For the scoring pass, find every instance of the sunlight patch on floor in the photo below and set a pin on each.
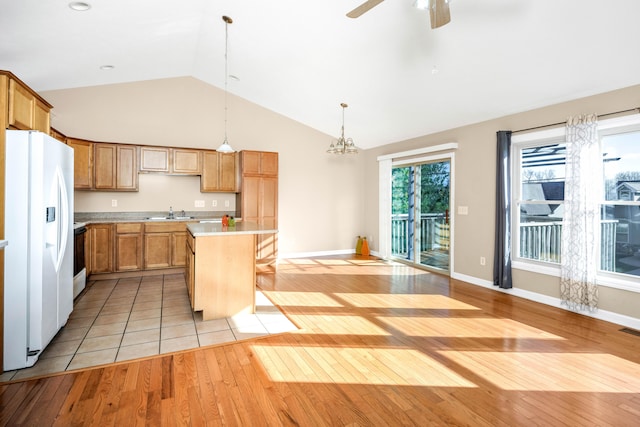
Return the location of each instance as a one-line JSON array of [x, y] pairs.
[[344, 325], [465, 327], [304, 299], [417, 301], [369, 366], [533, 371]]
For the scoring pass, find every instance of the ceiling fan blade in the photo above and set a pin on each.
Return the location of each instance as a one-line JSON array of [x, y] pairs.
[[439, 12], [364, 7]]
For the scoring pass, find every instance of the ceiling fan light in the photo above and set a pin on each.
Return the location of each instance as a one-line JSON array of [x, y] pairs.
[[421, 4]]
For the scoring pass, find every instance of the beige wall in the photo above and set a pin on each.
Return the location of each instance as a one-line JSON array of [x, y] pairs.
[[325, 201], [475, 184], [320, 207]]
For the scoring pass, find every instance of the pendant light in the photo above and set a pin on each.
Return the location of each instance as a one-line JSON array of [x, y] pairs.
[[225, 147], [342, 145]]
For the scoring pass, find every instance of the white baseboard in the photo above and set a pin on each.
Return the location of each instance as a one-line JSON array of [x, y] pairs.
[[608, 316]]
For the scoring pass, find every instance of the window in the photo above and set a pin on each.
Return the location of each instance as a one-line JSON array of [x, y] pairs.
[[538, 177]]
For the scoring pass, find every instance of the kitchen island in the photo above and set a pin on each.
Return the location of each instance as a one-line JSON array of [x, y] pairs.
[[221, 267]]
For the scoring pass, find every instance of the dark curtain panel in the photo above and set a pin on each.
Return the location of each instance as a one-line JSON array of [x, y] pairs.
[[502, 252]]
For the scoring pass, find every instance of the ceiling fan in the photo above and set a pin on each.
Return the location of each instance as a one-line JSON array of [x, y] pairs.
[[438, 9]]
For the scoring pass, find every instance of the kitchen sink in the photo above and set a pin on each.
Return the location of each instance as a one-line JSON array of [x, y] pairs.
[[166, 218]]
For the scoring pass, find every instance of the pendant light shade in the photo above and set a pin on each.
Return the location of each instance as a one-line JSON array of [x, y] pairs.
[[225, 147]]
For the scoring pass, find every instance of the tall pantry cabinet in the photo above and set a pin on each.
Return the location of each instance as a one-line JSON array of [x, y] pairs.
[[257, 200]]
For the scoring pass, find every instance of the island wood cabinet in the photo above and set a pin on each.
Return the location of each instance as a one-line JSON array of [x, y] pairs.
[[257, 200], [169, 160], [128, 246], [218, 172], [100, 242], [190, 267], [221, 274], [115, 167], [164, 245]]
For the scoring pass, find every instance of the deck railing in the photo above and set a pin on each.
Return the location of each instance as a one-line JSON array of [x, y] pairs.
[[542, 241], [434, 233], [539, 241]]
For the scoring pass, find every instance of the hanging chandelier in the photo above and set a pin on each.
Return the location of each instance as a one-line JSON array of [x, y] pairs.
[[342, 145], [225, 147]]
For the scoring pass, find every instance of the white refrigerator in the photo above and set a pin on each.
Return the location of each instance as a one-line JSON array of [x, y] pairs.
[[38, 275]]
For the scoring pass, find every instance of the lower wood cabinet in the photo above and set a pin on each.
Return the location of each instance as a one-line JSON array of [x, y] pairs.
[[100, 241], [136, 246], [165, 245], [128, 244]]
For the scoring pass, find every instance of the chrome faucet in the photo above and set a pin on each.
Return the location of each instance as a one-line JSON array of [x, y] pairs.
[[170, 212], [182, 213]]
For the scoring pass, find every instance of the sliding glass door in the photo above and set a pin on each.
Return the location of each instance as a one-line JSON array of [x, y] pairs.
[[420, 213]]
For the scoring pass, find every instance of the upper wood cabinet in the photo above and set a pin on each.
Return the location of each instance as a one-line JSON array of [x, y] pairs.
[[82, 163], [26, 109], [169, 160], [218, 172], [58, 135], [115, 167], [185, 161], [154, 159], [259, 163]]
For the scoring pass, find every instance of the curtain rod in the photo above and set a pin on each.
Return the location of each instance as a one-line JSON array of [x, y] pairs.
[[630, 110]]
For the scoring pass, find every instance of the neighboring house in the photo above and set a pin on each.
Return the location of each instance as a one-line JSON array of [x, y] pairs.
[[628, 216], [628, 190], [548, 190]]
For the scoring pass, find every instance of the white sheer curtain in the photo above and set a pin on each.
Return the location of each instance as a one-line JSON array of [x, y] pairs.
[[581, 222]]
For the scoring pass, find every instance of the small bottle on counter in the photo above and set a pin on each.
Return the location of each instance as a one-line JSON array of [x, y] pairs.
[[225, 220], [232, 222]]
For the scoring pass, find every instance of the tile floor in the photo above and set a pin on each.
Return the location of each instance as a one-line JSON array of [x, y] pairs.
[[122, 319]]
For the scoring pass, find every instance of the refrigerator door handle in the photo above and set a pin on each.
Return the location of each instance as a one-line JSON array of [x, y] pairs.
[[63, 218]]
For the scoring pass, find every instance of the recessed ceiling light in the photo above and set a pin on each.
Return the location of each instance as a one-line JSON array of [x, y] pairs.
[[79, 6], [107, 67]]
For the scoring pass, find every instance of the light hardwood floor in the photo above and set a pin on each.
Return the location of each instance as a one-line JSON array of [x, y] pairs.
[[380, 344]]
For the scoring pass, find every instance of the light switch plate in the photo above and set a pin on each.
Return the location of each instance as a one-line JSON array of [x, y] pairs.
[[463, 210], [199, 204]]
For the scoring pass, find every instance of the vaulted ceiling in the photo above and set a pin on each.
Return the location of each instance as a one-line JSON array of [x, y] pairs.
[[301, 58]]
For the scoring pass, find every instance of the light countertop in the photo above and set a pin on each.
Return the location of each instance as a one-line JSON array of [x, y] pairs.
[[216, 228]]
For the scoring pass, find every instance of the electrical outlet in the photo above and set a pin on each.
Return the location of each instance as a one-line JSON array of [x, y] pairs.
[[483, 260], [199, 204], [114, 203], [226, 203], [214, 203]]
